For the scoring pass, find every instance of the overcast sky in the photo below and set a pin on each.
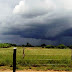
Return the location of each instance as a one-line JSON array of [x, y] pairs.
[[36, 21]]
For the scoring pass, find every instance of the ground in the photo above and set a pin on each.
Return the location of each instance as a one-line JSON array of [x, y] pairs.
[[33, 71]]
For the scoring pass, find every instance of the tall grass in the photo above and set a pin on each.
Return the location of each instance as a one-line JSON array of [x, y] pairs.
[[35, 56]]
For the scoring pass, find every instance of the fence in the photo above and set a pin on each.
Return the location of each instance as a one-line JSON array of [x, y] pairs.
[[42, 61]]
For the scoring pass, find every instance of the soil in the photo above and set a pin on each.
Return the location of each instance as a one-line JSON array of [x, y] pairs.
[[32, 71]]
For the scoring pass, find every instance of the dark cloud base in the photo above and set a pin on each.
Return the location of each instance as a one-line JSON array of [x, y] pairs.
[[56, 33], [37, 26]]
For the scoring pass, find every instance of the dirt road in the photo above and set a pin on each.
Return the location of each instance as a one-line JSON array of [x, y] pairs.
[[33, 71]]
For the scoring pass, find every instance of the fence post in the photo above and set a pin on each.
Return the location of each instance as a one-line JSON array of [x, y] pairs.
[[23, 53], [14, 60]]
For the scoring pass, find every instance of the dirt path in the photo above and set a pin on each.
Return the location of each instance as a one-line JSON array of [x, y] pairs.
[[33, 71]]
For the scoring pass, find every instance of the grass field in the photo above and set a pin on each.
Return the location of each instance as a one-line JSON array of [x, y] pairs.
[[37, 57]]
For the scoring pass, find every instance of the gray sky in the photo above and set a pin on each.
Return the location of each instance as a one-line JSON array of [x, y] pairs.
[[36, 21]]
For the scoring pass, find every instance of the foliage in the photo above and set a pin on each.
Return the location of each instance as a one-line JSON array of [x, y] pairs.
[[23, 45], [5, 45], [61, 46], [28, 45], [13, 45], [70, 47], [43, 45], [50, 46]]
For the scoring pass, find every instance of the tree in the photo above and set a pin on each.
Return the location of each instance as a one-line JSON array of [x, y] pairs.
[[14, 45], [61, 46], [43, 45], [70, 47], [23, 45], [50, 46], [28, 45], [4, 45]]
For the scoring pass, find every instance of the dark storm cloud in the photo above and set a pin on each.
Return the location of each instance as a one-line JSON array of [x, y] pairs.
[[37, 22], [48, 31]]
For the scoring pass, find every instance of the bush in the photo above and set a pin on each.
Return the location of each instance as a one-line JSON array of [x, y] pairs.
[[50, 46], [13, 45], [70, 47], [43, 45], [61, 46], [28, 45], [4, 45]]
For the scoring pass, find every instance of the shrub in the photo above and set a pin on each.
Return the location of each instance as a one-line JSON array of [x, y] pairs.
[[28, 45], [4, 45], [61, 46], [70, 47], [43, 45], [50, 46]]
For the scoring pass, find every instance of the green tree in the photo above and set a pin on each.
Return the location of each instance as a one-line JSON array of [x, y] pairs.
[[28, 45], [23, 45], [4, 45], [50, 46], [70, 47], [43, 45], [61, 46]]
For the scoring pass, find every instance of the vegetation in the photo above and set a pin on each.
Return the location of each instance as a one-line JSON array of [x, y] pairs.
[[61, 46], [28, 45], [43, 45], [37, 57], [70, 47], [50, 46], [5, 45]]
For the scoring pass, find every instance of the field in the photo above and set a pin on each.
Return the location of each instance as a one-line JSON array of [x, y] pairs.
[[36, 58]]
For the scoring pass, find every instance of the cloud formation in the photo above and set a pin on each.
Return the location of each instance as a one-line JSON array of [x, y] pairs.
[[39, 21], [67, 4], [34, 8]]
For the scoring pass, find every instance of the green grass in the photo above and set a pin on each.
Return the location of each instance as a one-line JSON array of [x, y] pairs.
[[37, 57]]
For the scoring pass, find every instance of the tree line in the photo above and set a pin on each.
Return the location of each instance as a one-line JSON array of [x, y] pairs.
[[6, 45], [60, 46]]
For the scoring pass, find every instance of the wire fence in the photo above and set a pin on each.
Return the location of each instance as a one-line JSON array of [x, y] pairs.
[[48, 61]]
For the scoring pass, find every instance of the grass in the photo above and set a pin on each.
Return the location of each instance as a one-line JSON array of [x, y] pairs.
[[37, 58]]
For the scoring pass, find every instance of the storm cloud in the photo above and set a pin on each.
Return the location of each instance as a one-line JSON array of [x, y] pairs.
[[37, 22]]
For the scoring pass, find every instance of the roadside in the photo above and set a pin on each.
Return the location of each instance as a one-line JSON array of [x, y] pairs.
[[33, 71]]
